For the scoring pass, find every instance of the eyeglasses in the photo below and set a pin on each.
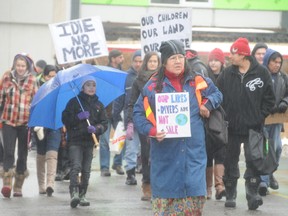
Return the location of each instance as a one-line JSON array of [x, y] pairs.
[[174, 58]]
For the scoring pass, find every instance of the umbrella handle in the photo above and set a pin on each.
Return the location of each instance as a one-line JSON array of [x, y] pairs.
[[93, 135], [95, 140]]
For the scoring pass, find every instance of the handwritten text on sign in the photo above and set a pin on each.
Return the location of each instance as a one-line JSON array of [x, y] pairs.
[[173, 114], [164, 26], [80, 39]]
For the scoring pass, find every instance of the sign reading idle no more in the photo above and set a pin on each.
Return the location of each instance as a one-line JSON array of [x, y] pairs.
[[80, 39], [166, 25], [173, 114]]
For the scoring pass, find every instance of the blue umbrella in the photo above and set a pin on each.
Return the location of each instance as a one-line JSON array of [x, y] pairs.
[[52, 97]]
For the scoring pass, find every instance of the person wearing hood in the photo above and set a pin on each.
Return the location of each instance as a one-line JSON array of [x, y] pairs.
[[178, 164], [248, 98], [17, 89], [121, 104], [150, 66], [259, 51], [79, 137], [273, 62]]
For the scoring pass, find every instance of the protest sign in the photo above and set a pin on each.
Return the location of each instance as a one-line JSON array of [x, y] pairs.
[[163, 26], [173, 114], [79, 39]]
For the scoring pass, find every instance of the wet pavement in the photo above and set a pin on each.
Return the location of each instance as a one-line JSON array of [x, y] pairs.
[[110, 196]]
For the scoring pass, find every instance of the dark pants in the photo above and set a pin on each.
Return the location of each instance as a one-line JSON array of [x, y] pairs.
[[1, 147], [80, 160], [215, 152], [232, 158], [10, 135], [145, 158]]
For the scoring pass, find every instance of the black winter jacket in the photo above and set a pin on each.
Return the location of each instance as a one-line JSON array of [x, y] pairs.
[[247, 99], [77, 133]]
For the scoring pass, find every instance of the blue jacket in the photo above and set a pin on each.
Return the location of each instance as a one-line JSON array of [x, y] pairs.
[[178, 165]]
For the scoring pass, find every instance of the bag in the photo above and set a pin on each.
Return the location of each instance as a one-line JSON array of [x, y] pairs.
[[217, 126], [260, 152], [117, 143]]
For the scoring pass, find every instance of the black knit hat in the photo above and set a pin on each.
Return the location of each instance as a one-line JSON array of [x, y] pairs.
[[258, 46], [169, 48]]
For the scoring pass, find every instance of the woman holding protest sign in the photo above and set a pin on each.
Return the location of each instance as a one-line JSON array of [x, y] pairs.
[[178, 163]]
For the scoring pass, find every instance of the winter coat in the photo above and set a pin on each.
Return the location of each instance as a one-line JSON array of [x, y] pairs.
[[247, 98], [177, 164], [77, 133], [279, 80], [16, 97], [137, 88], [121, 103]]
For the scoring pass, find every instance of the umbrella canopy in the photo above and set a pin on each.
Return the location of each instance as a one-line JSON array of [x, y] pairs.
[[52, 97]]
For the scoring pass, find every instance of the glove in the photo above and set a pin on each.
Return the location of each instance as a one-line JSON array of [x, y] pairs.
[[83, 115], [91, 129], [130, 131], [39, 132], [274, 110], [282, 107]]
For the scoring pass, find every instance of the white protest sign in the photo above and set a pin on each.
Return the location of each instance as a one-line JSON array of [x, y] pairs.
[[163, 26], [173, 114], [79, 39]]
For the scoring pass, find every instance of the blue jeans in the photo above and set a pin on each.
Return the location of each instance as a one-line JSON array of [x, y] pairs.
[[80, 158], [51, 141], [274, 133], [131, 151], [105, 151]]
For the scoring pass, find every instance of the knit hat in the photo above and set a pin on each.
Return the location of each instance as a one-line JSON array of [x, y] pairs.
[[169, 48], [258, 46], [86, 79], [49, 68], [241, 46], [114, 53], [136, 53], [216, 54]]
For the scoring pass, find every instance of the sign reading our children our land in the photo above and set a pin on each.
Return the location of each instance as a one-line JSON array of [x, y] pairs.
[[79, 39], [173, 114], [163, 26]]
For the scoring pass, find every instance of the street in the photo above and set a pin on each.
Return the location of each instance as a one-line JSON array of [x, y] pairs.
[[110, 196]]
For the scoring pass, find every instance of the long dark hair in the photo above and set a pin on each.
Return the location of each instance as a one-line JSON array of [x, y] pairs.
[[147, 56]]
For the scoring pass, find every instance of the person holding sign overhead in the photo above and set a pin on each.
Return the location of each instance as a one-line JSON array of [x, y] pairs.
[[178, 160]]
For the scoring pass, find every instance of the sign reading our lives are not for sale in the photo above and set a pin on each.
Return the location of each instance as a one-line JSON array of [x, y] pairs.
[[173, 114], [79, 39]]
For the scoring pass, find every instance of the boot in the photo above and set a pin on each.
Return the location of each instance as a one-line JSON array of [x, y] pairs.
[[146, 188], [273, 182], [74, 193], [18, 183], [40, 165], [253, 199], [231, 192], [82, 193], [51, 160], [219, 184], [209, 181], [7, 183], [131, 180]]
